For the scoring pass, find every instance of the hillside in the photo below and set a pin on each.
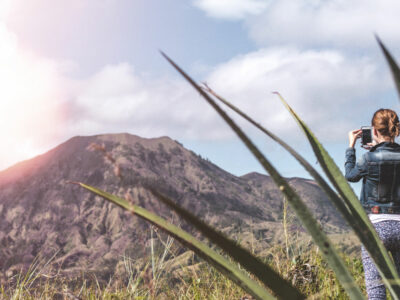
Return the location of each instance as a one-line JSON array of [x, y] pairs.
[[41, 213]]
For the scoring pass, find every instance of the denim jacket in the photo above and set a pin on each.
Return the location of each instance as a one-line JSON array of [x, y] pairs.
[[380, 171]]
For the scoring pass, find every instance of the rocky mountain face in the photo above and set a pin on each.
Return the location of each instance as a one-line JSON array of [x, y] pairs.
[[41, 214]]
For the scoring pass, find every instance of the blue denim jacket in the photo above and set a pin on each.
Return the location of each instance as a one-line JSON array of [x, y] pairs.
[[380, 171]]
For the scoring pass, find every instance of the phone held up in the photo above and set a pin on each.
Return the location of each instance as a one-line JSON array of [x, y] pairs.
[[366, 136]]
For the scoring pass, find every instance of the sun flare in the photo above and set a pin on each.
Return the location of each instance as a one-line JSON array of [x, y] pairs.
[[29, 97]]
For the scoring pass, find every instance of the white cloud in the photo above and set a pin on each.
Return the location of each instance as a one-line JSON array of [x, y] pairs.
[[231, 9], [346, 24], [116, 99], [42, 106], [324, 87], [321, 55], [309, 23]]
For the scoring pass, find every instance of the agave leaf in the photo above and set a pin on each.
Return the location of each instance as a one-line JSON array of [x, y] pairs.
[[394, 68], [366, 231], [309, 222], [247, 260], [219, 262]]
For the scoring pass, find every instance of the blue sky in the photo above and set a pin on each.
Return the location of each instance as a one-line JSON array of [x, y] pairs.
[[84, 67]]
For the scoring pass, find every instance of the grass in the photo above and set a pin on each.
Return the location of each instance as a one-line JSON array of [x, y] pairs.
[[185, 276], [306, 270]]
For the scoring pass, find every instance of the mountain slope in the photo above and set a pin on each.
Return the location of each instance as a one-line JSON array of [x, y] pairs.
[[41, 213]]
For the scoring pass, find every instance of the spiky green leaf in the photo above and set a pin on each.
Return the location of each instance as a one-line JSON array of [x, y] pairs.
[[222, 264], [394, 68], [309, 222], [252, 264]]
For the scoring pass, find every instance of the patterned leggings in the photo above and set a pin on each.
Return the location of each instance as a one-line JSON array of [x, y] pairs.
[[389, 232]]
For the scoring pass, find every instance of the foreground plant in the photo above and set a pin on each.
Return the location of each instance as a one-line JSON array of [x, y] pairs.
[[350, 207], [308, 273], [298, 205], [346, 202], [276, 283]]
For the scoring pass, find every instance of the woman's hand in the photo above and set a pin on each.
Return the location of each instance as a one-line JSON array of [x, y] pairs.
[[369, 145], [353, 136]]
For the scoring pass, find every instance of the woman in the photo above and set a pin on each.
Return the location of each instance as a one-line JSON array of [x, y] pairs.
[[379, 169]]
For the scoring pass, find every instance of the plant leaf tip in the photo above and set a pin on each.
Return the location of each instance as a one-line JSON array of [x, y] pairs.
[[73, 182], [166, 57], [379, 41]]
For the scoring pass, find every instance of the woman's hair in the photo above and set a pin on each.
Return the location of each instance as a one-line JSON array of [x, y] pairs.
[[386, 122]]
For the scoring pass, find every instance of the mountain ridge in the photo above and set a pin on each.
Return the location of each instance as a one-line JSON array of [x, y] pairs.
[[40, 213]]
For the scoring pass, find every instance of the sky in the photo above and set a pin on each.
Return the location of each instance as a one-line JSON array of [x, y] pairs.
[[85, 67]]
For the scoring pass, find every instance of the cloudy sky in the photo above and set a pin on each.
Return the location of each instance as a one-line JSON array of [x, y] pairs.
[[84, 67]]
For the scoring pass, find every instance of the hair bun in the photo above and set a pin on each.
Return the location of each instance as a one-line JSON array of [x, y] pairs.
[[386, 122]]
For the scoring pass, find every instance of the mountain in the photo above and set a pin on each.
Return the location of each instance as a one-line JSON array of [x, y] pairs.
[[42, 214]]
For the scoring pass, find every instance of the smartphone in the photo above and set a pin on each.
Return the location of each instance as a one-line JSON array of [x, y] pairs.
[[366, 136]]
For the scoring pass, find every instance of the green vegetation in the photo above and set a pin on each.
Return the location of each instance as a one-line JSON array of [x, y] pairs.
[[343, 198], [322, 272], [306, 270], [298, 205]]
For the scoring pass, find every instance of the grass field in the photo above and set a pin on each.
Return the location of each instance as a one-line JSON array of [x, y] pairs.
[[186, 277]]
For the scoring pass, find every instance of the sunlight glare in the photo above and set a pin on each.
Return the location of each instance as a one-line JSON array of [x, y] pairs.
[[29, 100]]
